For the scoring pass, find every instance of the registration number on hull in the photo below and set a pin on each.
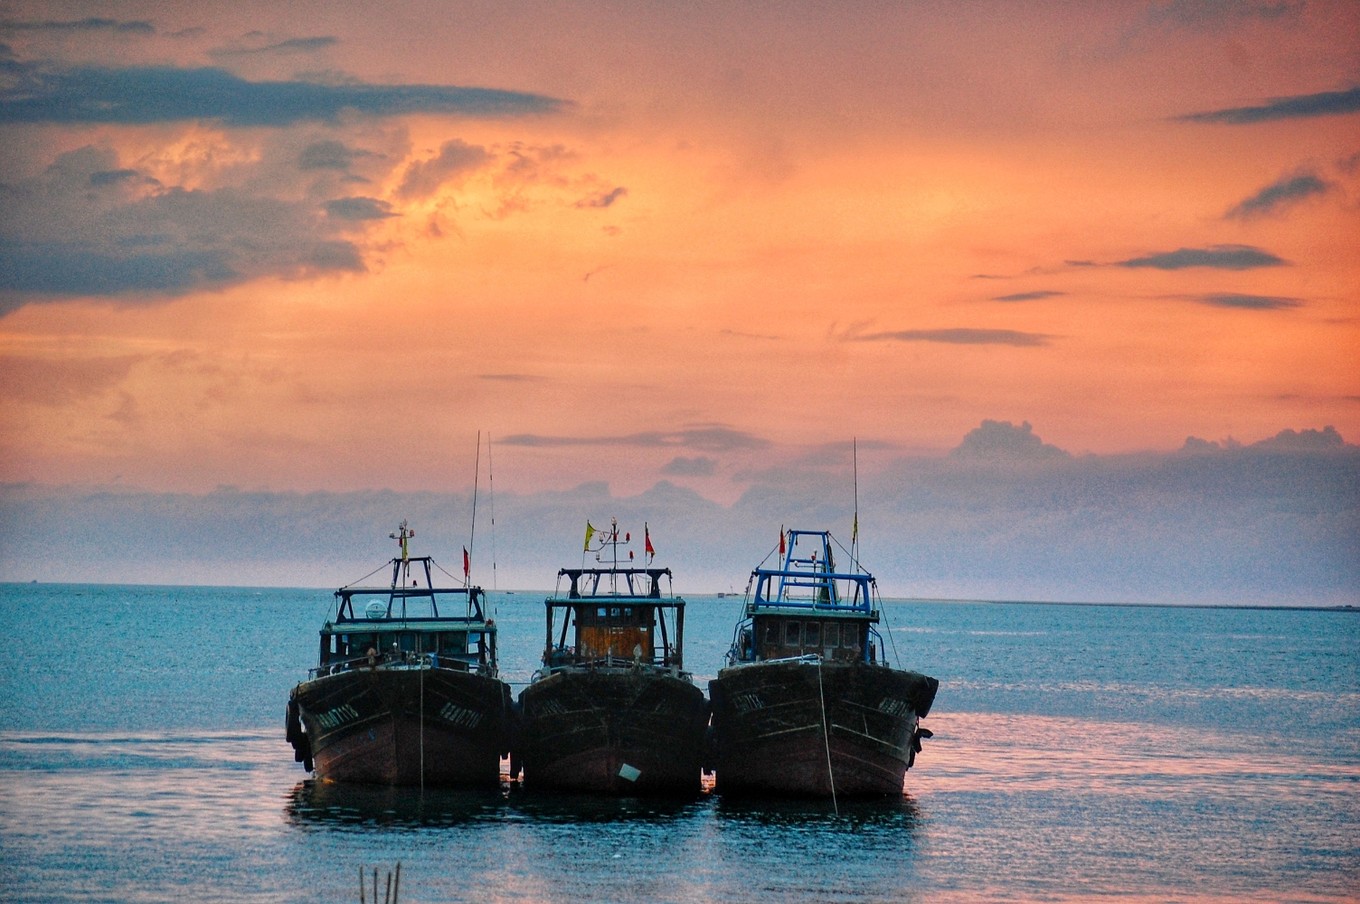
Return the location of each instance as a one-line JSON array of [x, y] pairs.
[[337, 716], [459, 715]]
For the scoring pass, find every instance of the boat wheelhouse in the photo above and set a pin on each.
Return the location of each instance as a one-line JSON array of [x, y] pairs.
[[406, 690], [612, 709], [805, 704]]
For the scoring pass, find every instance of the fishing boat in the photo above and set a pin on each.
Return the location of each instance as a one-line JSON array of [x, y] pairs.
[[805, 705], [612, 709], [406, 690]]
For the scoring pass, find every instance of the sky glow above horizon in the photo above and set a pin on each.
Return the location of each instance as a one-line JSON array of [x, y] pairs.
[[320, 247]]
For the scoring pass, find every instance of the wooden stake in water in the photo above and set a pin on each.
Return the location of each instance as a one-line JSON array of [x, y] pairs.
[[393, 886]]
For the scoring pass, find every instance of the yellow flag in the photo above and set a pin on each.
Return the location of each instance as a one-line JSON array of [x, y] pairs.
[[590, 532]]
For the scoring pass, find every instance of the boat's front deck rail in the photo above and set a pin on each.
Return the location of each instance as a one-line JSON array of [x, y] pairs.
[[620, 664], [400, 660]]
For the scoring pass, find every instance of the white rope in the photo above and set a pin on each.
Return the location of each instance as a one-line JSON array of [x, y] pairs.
[[826, 738], [421, 666]]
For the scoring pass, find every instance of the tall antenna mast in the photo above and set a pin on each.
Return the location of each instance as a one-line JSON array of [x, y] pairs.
[[854, 530], [491, 491], [476, 475]]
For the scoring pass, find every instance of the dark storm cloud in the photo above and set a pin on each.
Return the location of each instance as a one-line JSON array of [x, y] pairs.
[[291, 45], [88, 227], [1280, 194], [713, 438], [1028, 296], [71, 269], [603, 200], [1248, 302], [1216, 15], [330, 154], [681, 466], [88, 24], [151, 94], [424, 177], [1299, 106], [958, 336], [1222, 257], [1004, 441], [359, 209]]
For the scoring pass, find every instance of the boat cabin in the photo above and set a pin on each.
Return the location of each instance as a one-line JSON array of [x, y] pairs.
[[449, 644], [614, 616], [806, 607], [782, 636], [402, 624]]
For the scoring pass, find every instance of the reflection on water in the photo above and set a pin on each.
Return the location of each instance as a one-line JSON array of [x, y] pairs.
[[598, 809], [896, 814], [313, 802], [321, 803]]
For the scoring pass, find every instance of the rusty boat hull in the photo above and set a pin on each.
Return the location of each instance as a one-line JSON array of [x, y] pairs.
[[816, 729], [404, 726], [620, 730]]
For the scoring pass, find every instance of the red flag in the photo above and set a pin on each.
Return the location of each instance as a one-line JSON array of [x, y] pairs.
[[467, 563], [647, 535], [781, 539]]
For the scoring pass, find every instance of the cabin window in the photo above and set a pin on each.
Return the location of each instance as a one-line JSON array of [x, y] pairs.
[[771, 634], [812, 634], [359, 644], [833, 635], [612, 612], [793, 634]]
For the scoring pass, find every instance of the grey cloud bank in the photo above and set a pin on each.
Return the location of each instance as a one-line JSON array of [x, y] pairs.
[[1007, 517], [958, 336], [152, 94], [1221, 257], [1299, 106], [1280, 195]]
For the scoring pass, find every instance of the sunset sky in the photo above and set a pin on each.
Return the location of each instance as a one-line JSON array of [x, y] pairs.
[[317, 247]]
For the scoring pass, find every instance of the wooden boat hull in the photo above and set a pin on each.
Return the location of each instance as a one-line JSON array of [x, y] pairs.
[[770, 735], [406, 726], [614, 731]]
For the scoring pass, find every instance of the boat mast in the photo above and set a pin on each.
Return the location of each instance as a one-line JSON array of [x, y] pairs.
[[401, 569], [854, 529], [472, 538], [491, 492]]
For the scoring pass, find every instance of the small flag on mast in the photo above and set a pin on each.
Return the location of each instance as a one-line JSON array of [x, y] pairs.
[[467, 563], [647, 536], [781, 539], [590, 532]]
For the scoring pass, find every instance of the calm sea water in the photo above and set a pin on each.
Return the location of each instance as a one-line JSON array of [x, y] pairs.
[[1080, 752]]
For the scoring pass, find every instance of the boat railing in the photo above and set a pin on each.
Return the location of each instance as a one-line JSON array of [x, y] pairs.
[[828, 590], [565, 661], [401, 659], [805, 659]]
